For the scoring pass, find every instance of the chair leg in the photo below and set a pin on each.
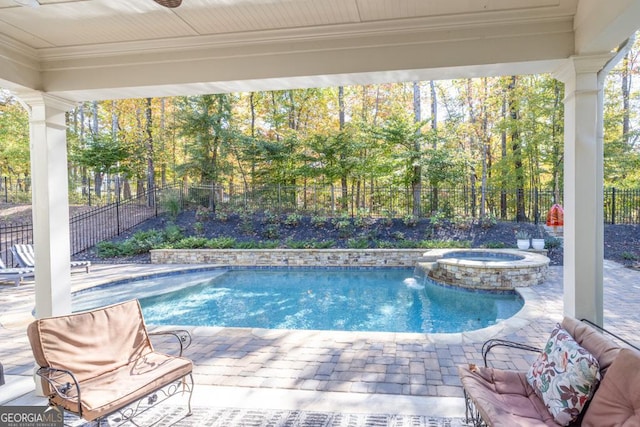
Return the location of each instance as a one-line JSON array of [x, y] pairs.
[[190, 395], [471, 414]]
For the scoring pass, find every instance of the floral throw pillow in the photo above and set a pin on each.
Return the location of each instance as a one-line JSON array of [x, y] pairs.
[[564, 376]]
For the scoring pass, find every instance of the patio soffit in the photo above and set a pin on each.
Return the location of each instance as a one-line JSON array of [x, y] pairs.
[[100, 49]]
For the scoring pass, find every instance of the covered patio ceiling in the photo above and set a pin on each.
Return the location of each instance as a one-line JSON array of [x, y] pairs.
[[61, 52], [106, 49]]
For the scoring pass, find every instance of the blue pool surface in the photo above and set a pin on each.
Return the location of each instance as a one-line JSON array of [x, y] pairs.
[[382, 300]]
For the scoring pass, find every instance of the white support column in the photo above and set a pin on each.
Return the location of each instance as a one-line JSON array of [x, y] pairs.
[[50, 202], [583, 189]]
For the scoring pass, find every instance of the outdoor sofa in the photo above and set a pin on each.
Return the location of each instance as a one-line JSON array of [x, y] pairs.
[[99, 362], [580, 378]]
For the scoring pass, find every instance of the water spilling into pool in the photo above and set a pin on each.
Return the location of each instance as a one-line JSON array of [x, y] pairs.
[[382, 300]]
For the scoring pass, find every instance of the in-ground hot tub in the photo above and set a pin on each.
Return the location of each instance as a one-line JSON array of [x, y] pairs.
[[489, 269]]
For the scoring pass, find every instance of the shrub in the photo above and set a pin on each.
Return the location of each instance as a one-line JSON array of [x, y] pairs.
[[407, 244], [172, 233], [108, 249], [143, 241], [318, 221], [438, 219], [444, 244], [343, 225], [552, 243], [358, 243], [198, 228], [359, 222], [246, 223], [202, 213], [309, 244], [293, 220], [268, 244], [462, 222], [270, 218], [222, 216], [191, 242], [171, 202], [398, 235], [629, 256], [221, 243], [410, 220], [495, 245], [271, 231], [488, 221]]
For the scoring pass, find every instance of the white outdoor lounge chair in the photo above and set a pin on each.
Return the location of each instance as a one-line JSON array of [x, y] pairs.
[[26, 257], [14, 274]]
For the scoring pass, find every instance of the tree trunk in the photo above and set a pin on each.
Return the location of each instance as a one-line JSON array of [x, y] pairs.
[[416, 179], [114, 136], [163, 129], [503, 156], [94, 129], [151, 178], [343, 174], [626, 91], [484, 141], [516, 149], [252, 106], [556, 129], [434, 146], [126, 189]]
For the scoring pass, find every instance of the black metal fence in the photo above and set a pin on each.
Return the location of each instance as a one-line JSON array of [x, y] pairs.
[[98, 224], [620, 206], [104, 222], [82, 191]]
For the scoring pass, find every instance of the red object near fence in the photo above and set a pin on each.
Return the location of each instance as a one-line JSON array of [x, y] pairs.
[[555, 216]]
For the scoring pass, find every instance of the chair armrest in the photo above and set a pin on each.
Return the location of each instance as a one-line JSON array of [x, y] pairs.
[[490, 344], [62, 383], [183, 337]]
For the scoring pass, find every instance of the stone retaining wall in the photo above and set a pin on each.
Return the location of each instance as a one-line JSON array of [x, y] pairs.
[[291, 257]]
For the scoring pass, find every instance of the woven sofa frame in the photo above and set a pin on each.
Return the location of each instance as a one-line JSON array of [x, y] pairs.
[[101, 362]]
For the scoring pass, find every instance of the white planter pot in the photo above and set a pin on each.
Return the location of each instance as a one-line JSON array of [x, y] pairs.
[[537, 244], [523, 244]]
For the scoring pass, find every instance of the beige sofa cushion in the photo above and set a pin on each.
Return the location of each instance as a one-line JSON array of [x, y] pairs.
[[104, 394], [505, 398], [93, 342], [603, 348], [617, 401]]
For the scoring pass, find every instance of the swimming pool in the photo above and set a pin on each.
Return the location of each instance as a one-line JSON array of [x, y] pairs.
[[381, 300]]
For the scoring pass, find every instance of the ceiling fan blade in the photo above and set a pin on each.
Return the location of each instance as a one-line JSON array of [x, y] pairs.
[[29, 3], [169, 3]]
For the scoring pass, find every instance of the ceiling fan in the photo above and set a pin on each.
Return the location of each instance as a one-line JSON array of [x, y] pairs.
[[165, 3], [169, 3], [29, 3]]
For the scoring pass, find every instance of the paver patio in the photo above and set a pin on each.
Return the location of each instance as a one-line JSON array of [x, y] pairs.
[[414, 366]]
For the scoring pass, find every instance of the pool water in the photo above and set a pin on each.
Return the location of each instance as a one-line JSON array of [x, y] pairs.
[[382, 300]]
